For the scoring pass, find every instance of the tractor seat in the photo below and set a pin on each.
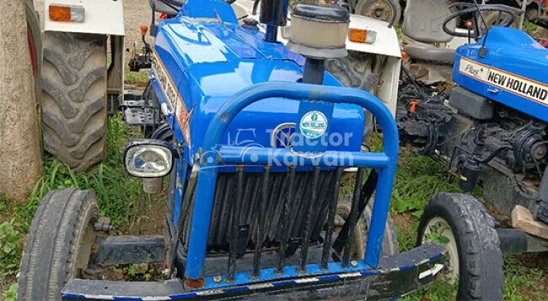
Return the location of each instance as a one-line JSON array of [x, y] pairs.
[[422, 22], [429, 53]]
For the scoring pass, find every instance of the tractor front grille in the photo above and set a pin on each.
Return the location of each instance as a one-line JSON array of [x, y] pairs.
[[289, 217], [222, 219]]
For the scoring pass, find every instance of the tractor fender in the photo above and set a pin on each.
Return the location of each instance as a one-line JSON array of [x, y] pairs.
[[386, 44], [386, 41], [101, 17]]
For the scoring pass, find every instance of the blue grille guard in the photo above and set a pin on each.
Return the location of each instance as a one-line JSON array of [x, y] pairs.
[[385, 162]]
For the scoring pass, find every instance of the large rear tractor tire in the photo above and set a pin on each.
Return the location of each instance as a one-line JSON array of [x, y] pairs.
[[461, 223], [74, 113], [359, 241], [492, 18], [59, 244], [361, 71]]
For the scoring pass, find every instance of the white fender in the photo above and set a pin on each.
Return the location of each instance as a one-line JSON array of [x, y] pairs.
[[386, 44], [101, 17]]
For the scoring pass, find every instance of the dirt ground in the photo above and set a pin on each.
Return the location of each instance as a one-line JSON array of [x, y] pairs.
[[137, 13]]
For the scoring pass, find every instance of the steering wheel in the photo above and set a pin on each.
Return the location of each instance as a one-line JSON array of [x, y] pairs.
[[478, 18]]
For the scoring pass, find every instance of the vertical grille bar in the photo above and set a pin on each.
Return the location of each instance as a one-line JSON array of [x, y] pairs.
[[308, 222], [237, 209], [260, 222], [331, 218], [353, 217], [284, 237]]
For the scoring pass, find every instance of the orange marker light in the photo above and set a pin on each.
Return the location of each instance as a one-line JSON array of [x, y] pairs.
[[469, 24], [357, 35], [66, 13], [403, 55], [144, 30], [59, 13]]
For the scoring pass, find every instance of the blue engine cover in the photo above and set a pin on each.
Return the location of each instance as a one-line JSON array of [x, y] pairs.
[[511, 73], [203, 57]]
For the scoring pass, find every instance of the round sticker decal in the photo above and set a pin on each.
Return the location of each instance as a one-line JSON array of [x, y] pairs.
[[313, 124]]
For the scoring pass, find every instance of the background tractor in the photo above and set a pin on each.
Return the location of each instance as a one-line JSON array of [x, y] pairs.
[[489, 127], [84, 76], [78, 77], [535, 10]]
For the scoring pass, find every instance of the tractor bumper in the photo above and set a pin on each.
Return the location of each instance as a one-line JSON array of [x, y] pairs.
[[396, 276]]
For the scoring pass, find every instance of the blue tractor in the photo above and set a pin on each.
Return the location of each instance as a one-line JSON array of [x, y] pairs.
[[490, 128], [255, 137]]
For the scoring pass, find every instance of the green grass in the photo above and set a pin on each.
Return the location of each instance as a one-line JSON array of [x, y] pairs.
[[418, 178], [399, 32], [116, 191], [136, 78], [521, 280], [139, 79], [119, 195], [529, 27]]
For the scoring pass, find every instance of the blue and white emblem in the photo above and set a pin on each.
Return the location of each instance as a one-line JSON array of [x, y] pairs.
[[313, 124]]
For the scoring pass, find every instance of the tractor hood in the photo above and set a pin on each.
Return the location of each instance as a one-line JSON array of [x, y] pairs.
[[513, 71], [199, 63]]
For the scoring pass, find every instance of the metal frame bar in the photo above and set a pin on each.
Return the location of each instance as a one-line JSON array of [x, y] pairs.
[[129, 249], [386, 161], [397, 275]]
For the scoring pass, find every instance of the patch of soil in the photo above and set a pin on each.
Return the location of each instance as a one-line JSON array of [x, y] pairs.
[[403, 221], [135, 272], [534, 261], [538, 261], [540, 33], [149, 219], [505, 221]]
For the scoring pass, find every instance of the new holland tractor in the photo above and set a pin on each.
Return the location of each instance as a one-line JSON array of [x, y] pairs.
[[254, 137], [489, 127]]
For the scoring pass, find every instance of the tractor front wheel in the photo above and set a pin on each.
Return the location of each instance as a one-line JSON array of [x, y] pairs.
[[74, 112], [462, 225], [359, 241], [59, 243]]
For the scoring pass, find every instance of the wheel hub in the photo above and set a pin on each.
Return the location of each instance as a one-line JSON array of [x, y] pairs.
[[438, 230], [84, 249], [379, 10]]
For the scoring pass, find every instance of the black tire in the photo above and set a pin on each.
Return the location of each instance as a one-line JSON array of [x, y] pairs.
[[480, 264], [35, 36], [356, 71], [74, 113], [58, 245], [531, 15], [378, 9], [491, 18], [359, 242]]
